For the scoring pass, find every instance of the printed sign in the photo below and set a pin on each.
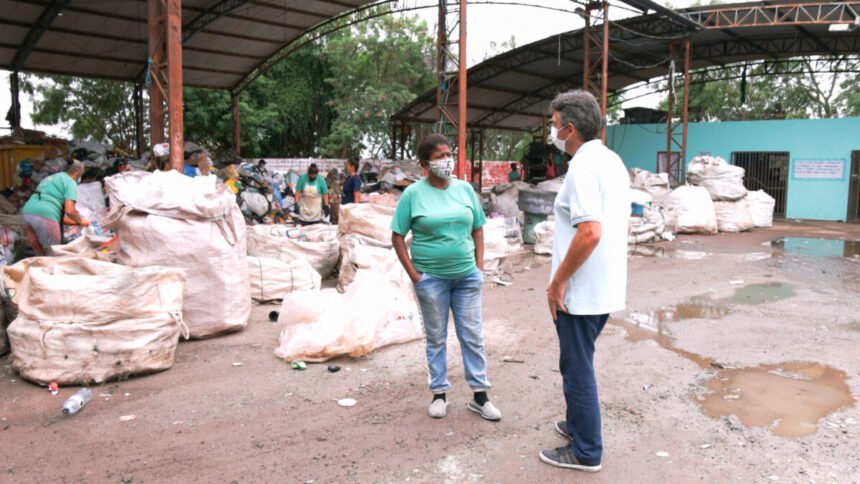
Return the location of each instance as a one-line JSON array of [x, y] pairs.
[[818, 169]]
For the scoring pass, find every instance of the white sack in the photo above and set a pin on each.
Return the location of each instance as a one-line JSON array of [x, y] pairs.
[[761, 206], [693, 210], [272, 279], [733, 216], [502, 237], [372, 313], [91, 202], [544, 233], [723, 181], [86, 245], [83, 321], [553, 185], [167, 218], [504, 199], [367, 219], [316, 244], [363, 253]]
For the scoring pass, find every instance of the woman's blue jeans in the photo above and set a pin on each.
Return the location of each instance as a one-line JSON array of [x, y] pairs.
[[462, 297]]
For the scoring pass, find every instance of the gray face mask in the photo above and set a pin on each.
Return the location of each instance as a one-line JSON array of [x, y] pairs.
[[441, 168]]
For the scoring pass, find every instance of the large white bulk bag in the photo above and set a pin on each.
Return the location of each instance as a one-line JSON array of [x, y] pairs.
[[83, 321], [272, 279], [167, 218], [733, 216], [316, 244], [761, 206], [693, 210]]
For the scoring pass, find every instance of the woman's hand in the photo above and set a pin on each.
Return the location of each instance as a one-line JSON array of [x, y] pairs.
[[555, 298], [416, 277]]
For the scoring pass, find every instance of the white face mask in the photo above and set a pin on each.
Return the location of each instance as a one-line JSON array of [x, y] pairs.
[[441, 168], [559, 143]]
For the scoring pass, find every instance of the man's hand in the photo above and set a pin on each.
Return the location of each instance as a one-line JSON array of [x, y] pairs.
[[555, 298]]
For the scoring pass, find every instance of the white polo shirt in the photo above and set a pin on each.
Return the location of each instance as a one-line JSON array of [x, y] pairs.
[[596, 189]]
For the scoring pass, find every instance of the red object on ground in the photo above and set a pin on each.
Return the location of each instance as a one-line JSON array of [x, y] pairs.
[[54, 388]]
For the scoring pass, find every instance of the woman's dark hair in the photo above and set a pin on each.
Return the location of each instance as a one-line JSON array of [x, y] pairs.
[[313, 169], [353, 162], [428, 144], [513, 166]]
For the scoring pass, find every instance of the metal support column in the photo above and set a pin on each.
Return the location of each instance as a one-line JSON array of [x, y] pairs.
[[138, 120], [16, 104], [237, 125], [481, 158], [165, 75], [174, 82], [157, 85], [393, 141], [450, 113], [679, 53], [596, 66]]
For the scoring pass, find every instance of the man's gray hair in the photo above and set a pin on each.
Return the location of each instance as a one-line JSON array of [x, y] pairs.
[[75, 166], [581, 109]]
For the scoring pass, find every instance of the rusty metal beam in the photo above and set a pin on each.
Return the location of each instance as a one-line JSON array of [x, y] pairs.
[[803, 13], [461, 96], [156, 55], [51, 11], [173, 36]]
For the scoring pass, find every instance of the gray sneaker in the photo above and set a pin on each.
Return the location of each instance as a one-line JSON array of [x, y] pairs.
[[565, 458], [487, 410], [561, 428], [438, 408]]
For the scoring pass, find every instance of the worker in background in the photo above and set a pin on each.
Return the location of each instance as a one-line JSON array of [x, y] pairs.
[[352, 185], [514, 174], [312, 196], [231, 173], [160, 154], [446, 268], [589, 269], [191, 162], [550, 169], [53, 199]]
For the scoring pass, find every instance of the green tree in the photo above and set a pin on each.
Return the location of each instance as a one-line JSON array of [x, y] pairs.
[[286, 112], [377, 66], [809, 93], [89, 108]]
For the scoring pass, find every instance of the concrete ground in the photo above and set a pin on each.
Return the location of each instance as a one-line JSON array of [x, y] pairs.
[[736, 361]]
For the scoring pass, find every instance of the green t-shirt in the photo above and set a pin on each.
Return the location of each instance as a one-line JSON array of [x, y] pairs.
[[322, 188], [513, 175], [442, 222], [51, 195]]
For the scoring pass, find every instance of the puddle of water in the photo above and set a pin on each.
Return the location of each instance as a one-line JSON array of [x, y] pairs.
[[760, 293], [818, 247], [674, 314], [704, 308], [647, 250], [790, 397]]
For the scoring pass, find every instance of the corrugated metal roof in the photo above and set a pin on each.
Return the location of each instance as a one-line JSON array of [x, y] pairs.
[[108, 38], [513, 90]]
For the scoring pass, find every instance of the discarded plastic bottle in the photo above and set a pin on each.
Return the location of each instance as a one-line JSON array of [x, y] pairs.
[[77, 401]]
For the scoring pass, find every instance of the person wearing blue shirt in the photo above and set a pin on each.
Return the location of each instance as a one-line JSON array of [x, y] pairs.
[[352, 185]]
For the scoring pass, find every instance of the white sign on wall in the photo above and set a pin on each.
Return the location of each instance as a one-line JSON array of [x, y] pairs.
[[818, 169]]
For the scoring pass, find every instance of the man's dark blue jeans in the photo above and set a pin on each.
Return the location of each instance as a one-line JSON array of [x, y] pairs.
[[576, 337]]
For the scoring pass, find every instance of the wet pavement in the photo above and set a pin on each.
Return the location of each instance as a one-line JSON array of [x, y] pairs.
[[818, 247], [788, 398]]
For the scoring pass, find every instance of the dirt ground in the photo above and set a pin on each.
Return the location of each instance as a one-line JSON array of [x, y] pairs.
[[206, 420]]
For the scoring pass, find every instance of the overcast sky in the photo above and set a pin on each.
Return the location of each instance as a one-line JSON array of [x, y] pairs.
[[486, 24]]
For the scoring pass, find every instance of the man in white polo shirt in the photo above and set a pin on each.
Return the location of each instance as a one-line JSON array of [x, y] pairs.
[[589, 268]]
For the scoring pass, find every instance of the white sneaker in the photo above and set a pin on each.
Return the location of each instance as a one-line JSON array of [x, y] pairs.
[[438, 408], [487, 410]]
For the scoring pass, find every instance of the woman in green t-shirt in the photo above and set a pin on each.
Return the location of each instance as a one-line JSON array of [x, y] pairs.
[[53, 199], [446, 267]]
